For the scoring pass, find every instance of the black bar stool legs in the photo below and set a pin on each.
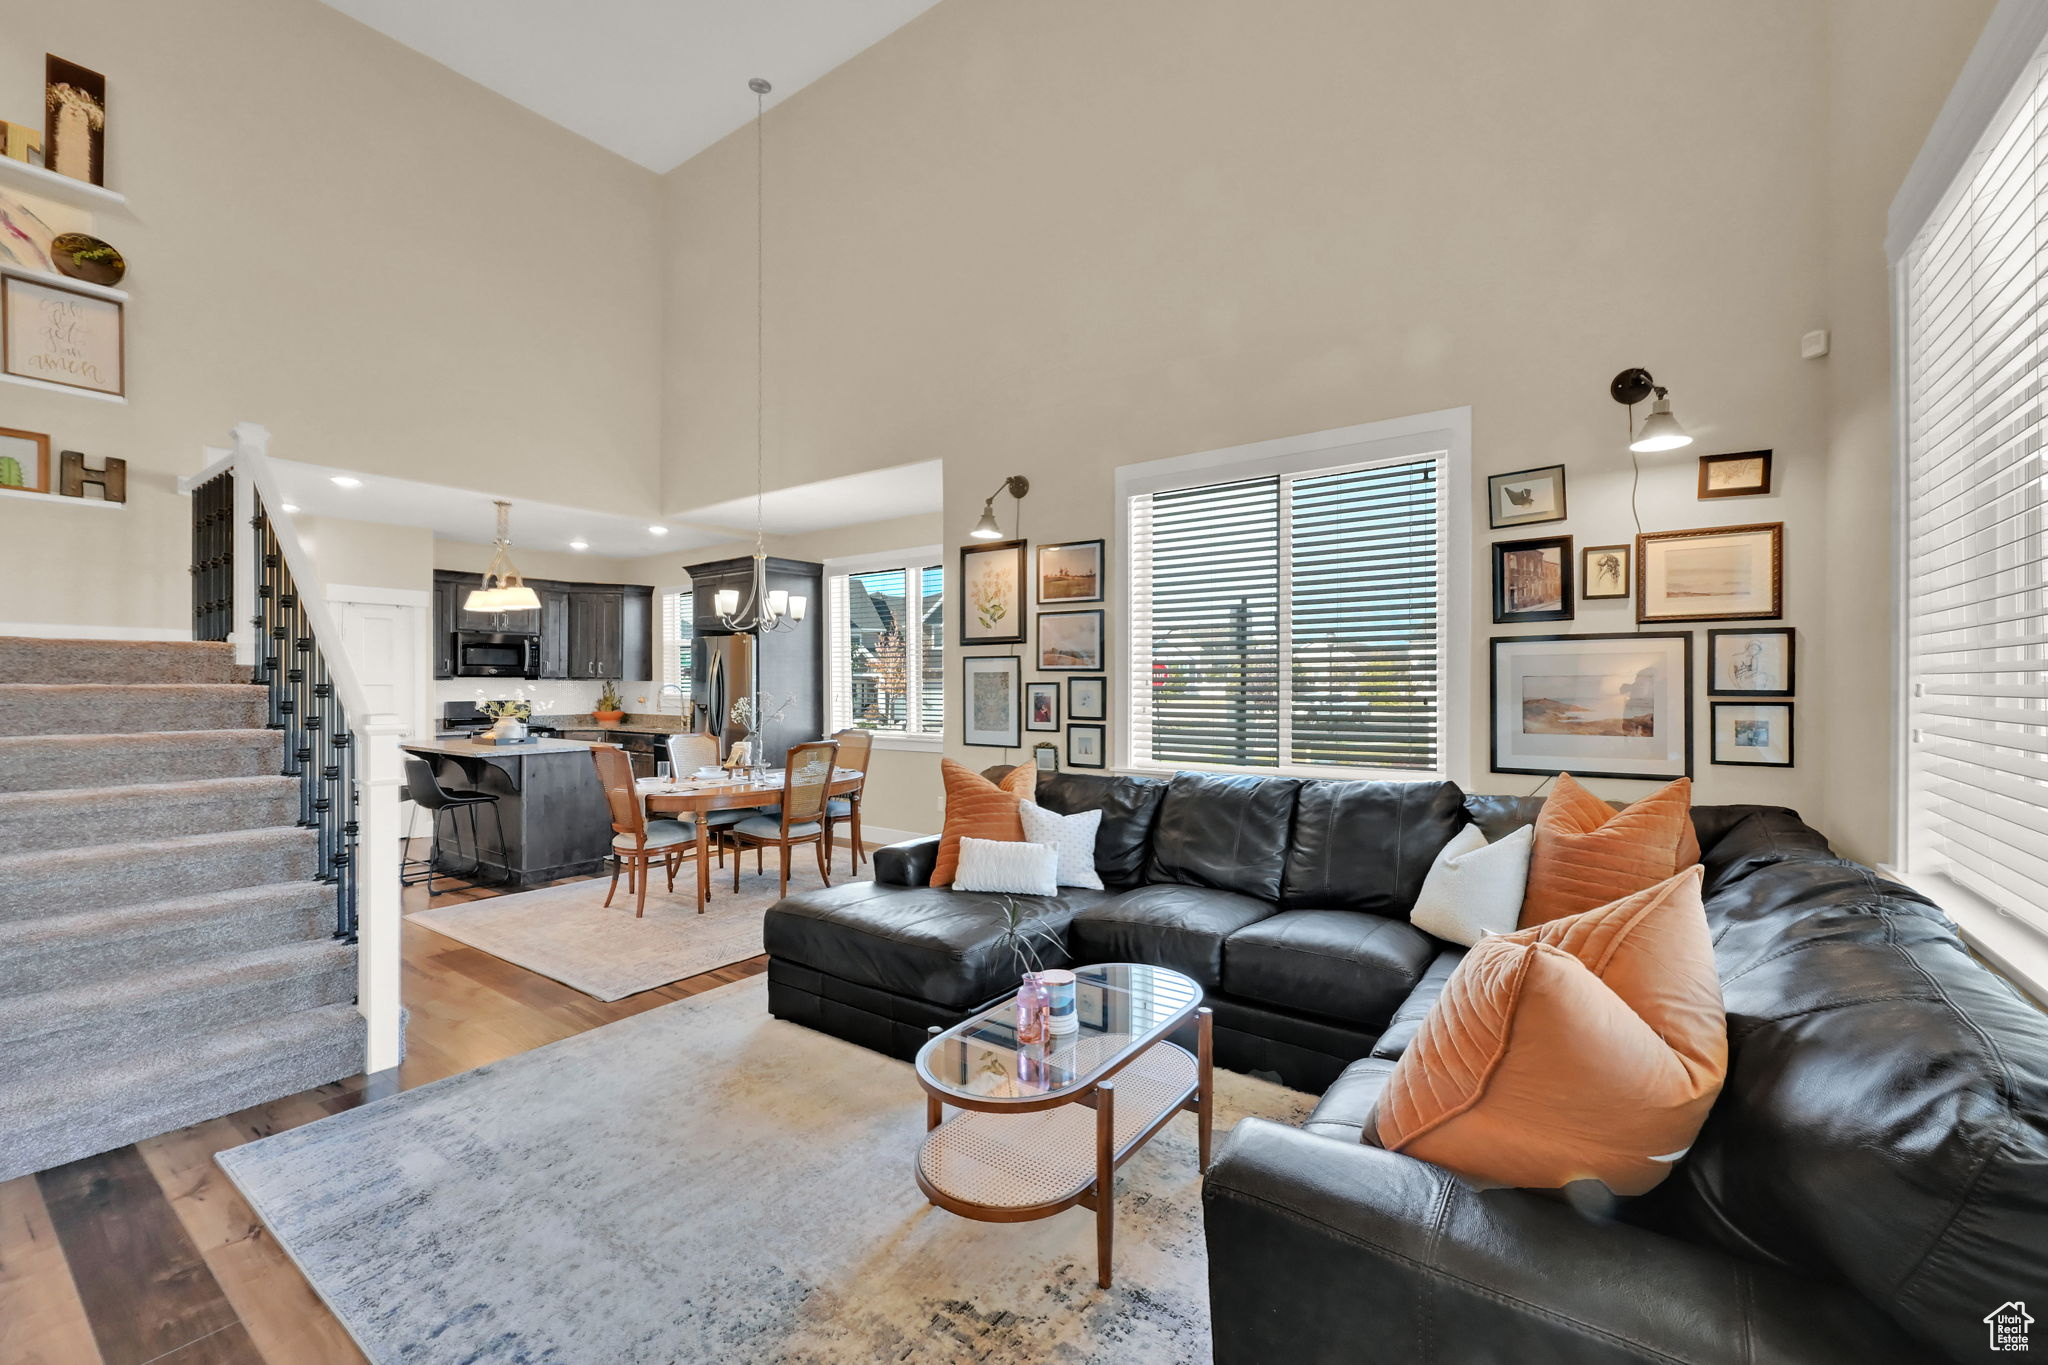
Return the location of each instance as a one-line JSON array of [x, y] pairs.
[[432, 796]]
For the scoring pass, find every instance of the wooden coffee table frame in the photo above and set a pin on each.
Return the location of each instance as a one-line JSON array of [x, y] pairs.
[[1097, 1189]]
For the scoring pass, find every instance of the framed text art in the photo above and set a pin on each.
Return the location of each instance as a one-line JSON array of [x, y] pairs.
[[992, 593], [1610, 705], [60, 336], [1721, 573], [990, 714]]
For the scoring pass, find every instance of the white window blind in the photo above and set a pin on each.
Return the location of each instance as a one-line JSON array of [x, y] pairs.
[[885, 631], [1291, 620], [677, 635], [1976, 573]]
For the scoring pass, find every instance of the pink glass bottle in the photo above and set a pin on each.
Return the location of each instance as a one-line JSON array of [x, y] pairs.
[[1034, 1008]]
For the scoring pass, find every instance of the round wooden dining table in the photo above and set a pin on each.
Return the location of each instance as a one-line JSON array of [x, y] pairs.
[[689, 797]]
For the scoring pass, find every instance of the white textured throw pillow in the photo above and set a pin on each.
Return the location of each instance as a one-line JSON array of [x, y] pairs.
[[1475, 888], [1000, 865], [1072, 835]]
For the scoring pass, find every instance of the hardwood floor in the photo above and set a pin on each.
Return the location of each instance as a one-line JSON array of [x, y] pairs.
[[147, 1255]]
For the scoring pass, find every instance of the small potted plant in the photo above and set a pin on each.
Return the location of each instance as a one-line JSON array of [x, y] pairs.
[[610, 708], [1024, 932], [508, 715]]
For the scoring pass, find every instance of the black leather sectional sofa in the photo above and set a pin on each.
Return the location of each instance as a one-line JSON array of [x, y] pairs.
[[1872, 1183]]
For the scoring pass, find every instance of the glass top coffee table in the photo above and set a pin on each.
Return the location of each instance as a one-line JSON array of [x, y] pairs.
[[1025, 1146]]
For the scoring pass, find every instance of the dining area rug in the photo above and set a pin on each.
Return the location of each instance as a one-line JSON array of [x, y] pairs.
[[702, 1182], [568, 934]]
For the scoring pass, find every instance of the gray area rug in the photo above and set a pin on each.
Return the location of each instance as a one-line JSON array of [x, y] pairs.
[[704, 1183], [568, 934]]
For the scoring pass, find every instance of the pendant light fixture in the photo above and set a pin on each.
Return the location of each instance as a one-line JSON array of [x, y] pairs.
[[1660, 430], [502, 589], [764, 609]]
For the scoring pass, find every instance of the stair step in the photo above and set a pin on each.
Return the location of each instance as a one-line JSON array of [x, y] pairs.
[[97, 945], [67, 881], [79, 817], [27, 659], [82, 1029], [64, 1115], [95, 708], [30, 763]]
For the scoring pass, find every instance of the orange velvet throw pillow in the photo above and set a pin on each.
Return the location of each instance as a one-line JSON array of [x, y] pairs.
[[1587, 853], [1587, 1048], [980, 809]]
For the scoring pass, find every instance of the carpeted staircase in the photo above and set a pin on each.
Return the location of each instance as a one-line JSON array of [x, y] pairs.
[[165, 956]]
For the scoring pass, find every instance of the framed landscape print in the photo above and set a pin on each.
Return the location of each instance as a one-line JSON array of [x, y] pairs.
[[24, 461], [60, 336], [1612, 705], [1070, 640], [990, 712], [1525, 497], [1042, 706], [1087, 698], [1723, 573], [992, 593], [1753, 734], [1070, 573], [1086, 745], [1532, 580], [1742, 475], [1603, 571], [1755, 663]]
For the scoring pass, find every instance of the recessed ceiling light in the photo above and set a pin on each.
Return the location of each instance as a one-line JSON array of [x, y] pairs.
[[291, 507], [579, 544], [657, 530], [345, 481]]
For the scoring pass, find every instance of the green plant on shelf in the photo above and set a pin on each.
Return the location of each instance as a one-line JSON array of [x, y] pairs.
[[609, 699], [10, 473]]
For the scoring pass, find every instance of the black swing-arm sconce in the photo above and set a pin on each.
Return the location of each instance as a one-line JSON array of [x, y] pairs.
[[986, 529], [1660, 430]]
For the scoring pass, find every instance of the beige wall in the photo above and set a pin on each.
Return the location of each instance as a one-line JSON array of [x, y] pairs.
[[1061, 237], [391, 267], [367, 554]]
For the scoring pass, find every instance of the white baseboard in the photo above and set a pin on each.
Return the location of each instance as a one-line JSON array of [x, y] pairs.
[[876, 834], [46, 630]]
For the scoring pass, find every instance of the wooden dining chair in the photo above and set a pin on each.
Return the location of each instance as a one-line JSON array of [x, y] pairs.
[[637, 842], [806, 778], [856, 748], [687, 753]]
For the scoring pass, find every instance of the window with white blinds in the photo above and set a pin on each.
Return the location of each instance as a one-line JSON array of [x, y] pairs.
[[1292, 619], [885, 643], [676, 635], [1976, 551]]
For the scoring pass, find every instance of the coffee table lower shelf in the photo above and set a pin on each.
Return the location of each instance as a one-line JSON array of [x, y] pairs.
[[1012, 1168]]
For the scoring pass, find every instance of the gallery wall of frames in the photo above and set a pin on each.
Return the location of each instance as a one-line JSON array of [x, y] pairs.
[[1052, 696], [1622, 703]]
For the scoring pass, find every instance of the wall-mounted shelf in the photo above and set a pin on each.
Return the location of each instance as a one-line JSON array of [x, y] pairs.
[[48, 387], [50, 185], [98, 291], [58, 498]]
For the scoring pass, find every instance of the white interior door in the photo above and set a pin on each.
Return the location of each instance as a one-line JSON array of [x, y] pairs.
[[384, 638]]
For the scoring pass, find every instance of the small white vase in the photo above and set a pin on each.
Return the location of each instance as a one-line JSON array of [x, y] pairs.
[[509, 727]]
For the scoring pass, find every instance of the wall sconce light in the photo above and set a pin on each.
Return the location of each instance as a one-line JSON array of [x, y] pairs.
[[1660, 430], [986, 529]]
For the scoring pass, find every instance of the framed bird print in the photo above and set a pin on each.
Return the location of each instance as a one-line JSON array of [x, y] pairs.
[[1525, 497]]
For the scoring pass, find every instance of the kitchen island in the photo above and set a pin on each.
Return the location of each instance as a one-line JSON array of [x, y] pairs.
[[555, 822]]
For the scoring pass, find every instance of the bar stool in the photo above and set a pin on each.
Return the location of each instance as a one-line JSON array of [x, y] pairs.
[[429, 794]]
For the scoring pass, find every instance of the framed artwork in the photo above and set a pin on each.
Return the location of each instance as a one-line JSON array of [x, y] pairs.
[[1071, 572], [1609, 705], [1525, 497], [1087, 699], [1752, 734], [992, 593], [21, 143], [25, 239], [1042, 706], [990, 713], [1755, 663], [1741, 475], [24, 461], [1046, 755], [60, 336], [1723, 573], [1532, 580], [74, 120], [1086, 745], [1603, 571], [1069, 640]]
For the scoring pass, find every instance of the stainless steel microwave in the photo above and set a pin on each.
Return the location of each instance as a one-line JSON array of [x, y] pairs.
[[491, 654]]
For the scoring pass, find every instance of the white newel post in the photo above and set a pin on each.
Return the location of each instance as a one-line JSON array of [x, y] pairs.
[[378, 909]]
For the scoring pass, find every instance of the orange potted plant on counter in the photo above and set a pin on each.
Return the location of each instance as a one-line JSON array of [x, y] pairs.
[[610, 708]]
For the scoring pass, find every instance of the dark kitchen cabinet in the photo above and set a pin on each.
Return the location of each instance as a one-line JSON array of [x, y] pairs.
[[596, 634], [602, 631], [447, 607], [788, 664], [554, 632]]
